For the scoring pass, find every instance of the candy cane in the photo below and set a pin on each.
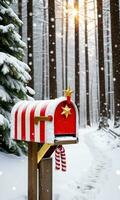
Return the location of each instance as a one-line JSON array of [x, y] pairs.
[[57, 158], [63, 159], [60, 154]]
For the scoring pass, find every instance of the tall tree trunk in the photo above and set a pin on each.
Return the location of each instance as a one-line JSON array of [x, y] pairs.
[[115, 33], [87, 64], [103, 112], [43, 52], [47, 51], [20, 15], [52, 49], [66, 47], [77, 61], [62, 42], [1, 140], [96, 55], [108, 65], [30, 39]]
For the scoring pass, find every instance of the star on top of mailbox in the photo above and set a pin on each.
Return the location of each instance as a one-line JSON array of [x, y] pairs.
[[66, 111], [68, 92]]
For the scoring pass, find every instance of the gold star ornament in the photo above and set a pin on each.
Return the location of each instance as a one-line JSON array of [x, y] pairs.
[[68, 92], [66, 111]]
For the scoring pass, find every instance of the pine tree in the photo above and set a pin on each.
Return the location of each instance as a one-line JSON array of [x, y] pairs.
[[13, 72]]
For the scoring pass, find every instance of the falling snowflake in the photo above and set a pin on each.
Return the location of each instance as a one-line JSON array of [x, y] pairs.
[[30, 14], [30, 54], [99, 16], [1, 173], [13, 188], [28, 38], [114, 79], [51, 52], [118, 172], [52, 19], [30, 63], [52, 60], [118, 187]]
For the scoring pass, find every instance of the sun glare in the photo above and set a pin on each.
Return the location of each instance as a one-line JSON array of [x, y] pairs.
[[74, 12]]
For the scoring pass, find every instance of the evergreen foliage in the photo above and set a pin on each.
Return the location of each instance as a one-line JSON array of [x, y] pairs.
[[14, 74]]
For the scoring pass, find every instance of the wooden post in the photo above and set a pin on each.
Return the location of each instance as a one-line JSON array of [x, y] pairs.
[[32, 171], [45, 179]]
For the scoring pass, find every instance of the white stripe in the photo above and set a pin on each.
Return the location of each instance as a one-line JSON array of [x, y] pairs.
[[19, 121], [13, 119], [27, 119], [37, 126]]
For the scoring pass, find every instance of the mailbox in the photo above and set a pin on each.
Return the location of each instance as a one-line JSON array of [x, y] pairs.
[[45, 121]]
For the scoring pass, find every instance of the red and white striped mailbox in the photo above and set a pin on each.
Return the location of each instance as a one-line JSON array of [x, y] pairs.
[[45, 121]]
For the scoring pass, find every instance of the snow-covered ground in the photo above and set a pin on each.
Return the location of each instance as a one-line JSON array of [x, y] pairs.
[[93, 171]]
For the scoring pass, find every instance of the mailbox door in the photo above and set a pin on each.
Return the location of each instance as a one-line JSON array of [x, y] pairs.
[[62, 125]]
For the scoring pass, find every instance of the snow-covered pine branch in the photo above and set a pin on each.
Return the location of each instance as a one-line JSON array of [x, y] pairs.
[[14, 74]]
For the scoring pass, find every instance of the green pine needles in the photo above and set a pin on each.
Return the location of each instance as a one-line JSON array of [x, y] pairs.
[[14, 74]]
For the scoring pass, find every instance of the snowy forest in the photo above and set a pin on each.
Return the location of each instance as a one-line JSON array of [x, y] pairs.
[[85, 56], [46, 47], [69, 44]]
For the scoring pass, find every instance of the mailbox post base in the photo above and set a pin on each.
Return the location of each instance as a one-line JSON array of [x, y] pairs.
[[40, 187], [45, 179], [32, 171]]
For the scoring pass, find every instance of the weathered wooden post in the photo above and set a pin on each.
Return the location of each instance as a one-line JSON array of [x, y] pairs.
[[46, 125], [45, 179], [32, 171]]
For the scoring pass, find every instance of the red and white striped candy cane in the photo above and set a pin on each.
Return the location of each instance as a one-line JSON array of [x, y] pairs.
[[60, 155]]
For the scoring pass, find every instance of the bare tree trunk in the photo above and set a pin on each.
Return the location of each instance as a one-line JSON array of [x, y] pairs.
[[77, 61], [103, 112], [47, 52], [20, 15], [52, 49], [66, 47], [1, 140], [43, 52], [96, 48], [108, 65], [87, 64], [30, 39], [115, 33], [62, 42]]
